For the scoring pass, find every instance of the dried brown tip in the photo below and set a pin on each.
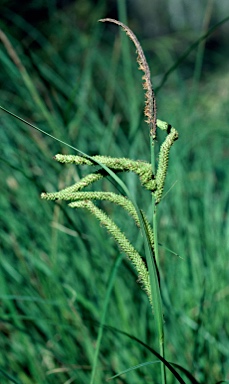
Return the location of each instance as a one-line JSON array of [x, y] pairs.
[[150, 101]]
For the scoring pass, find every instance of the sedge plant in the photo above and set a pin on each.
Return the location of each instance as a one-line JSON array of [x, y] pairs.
[[151, 177]]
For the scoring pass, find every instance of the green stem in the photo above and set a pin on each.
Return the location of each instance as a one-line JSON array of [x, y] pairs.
[[160, 322], [161, 329]]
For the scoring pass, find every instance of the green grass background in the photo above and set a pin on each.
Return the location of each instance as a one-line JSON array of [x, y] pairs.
[[83, 87]]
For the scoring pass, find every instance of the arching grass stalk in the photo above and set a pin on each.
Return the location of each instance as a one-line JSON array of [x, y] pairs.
[[152, 259], [153, 180]]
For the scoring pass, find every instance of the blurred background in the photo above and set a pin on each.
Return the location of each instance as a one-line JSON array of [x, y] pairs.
[[77, 79]]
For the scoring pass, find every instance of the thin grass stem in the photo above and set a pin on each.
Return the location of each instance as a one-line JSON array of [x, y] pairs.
[[160, 323]]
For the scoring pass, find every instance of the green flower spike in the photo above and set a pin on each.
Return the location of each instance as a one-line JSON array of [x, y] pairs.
[[123, 242]]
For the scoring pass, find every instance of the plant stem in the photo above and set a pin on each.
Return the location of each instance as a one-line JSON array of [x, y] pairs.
[[160, 321]]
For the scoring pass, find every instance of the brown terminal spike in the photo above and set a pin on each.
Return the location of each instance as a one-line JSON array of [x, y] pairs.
[[150, 101]]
